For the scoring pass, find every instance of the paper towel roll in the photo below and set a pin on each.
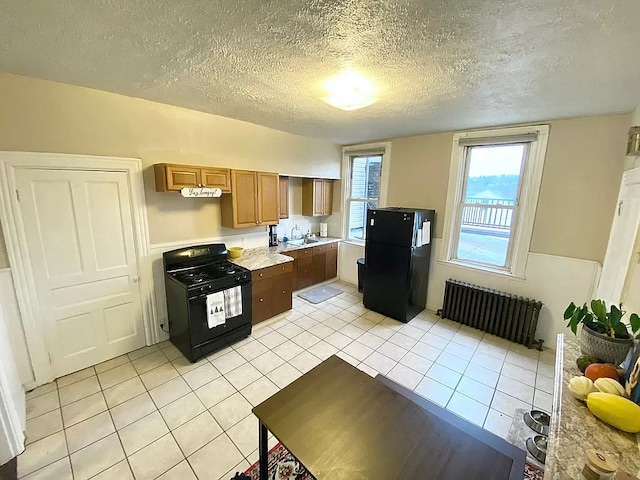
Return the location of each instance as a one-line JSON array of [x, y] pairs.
[[323, 229]]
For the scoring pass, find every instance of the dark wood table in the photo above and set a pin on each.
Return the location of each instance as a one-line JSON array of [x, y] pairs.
[[341, 424]]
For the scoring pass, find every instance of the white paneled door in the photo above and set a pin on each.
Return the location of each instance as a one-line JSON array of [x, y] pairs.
[[80, 236]]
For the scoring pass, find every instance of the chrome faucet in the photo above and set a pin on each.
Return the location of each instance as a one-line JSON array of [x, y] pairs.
[[295, 227]]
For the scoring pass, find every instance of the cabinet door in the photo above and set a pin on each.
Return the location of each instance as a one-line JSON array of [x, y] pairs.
[[318, 201], [182, 176], [245, 198], [281, 291], [327, 197], [305, 274], [332, 264], [261, 299], [216, 178], [319, 268], [284, 197], [268, 198]]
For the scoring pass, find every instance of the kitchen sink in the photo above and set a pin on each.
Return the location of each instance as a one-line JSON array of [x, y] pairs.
[[303, 241]]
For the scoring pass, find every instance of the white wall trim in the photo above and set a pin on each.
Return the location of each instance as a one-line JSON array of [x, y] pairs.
[[12, 399], [12, 436], [346, 178], [11, 313], [529, 193], [19, 258]]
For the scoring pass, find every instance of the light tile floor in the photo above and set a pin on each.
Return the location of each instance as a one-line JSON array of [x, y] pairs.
[[152, 414]]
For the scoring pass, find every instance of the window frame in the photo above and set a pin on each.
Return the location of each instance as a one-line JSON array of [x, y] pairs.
[[364, 150], [526, 202]]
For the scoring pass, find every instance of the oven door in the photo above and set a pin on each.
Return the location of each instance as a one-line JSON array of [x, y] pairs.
[[199, 329]]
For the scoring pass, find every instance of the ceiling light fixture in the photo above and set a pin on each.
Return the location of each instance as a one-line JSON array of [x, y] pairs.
[[350, 91]]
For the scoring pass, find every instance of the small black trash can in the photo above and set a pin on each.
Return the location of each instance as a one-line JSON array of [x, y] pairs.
[[361, 272]]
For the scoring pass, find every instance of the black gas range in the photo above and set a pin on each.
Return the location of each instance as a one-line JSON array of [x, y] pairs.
[[193, 274]]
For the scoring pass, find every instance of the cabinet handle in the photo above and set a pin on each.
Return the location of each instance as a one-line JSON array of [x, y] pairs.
[[262, 299], [283, 292], [257, 222], [261, 274]]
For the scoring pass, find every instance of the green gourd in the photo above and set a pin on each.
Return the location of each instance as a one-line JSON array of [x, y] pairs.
[[584, 361]]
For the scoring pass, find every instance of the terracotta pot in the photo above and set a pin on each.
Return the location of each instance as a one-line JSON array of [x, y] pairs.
[[607, 349]]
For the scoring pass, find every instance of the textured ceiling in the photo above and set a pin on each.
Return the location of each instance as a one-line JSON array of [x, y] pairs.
[[440, 65]]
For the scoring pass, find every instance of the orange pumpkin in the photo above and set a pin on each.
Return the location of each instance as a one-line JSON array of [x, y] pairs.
[[600, 370]]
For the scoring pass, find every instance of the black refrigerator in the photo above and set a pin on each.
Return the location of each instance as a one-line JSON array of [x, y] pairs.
[[397, 257]]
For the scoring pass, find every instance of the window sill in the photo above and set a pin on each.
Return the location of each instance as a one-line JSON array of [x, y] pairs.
[[354, 242], [484, 269]]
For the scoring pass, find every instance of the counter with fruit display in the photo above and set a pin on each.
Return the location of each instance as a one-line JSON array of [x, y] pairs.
[[574, 429]]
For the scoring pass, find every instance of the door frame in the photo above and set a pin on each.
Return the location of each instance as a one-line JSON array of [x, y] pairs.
[[615, 291], [18, 251]]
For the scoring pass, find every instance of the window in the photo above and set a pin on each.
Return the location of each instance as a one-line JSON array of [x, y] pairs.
[[493, 191], [364, 192]]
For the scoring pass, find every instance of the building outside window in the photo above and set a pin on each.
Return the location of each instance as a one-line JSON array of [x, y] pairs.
[[364, 193]]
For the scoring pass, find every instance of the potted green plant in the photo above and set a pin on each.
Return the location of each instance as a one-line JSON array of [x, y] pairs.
[[604, 335]]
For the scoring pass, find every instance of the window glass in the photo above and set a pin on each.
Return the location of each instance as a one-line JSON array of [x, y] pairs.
[[487, 212], [364, 193]]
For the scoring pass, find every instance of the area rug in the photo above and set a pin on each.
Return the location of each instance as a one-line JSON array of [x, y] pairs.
[[320, 294], [284, 466]]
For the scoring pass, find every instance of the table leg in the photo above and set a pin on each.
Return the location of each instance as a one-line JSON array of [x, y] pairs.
[[263, 441]]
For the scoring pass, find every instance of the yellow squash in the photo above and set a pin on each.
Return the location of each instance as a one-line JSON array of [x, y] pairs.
[[618, 412]]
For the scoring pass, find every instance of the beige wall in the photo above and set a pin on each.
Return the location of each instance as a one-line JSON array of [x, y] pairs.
[[42, 116], [419, 173], [580, 183]]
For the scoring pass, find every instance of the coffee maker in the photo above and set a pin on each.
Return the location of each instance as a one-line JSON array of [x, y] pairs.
[[273, 236]]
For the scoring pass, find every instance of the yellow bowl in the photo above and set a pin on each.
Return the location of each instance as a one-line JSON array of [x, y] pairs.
[[235, 252]]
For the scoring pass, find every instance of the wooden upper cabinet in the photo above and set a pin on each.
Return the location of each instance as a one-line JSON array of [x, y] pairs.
[[284, 197], [269, 198], [254, 200], [216, 178], [327, 196], [240, 209], [317, 197], [173, 177]]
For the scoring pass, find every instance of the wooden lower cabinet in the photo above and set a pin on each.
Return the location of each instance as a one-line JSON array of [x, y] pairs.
[[272, 291], [319, 264], [261, 301], [282, 291], [304, 268], [332, 264], [314, 265]]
